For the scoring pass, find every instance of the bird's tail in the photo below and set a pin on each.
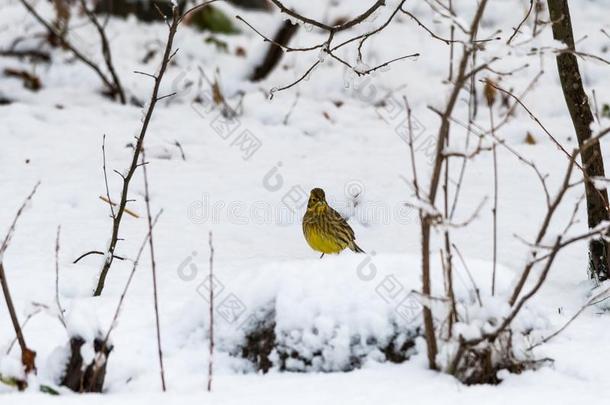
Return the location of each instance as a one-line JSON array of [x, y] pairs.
[[356, 248]]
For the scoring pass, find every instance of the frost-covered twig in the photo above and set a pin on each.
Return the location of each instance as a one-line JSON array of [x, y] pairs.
[[517, 302], [334, 28], [412, 148], [282, 45], [326, 47], [601, 229], [426, 222], [552, 208], [447, 41]]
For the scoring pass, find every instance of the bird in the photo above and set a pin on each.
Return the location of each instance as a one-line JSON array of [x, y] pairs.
[[325, 230]]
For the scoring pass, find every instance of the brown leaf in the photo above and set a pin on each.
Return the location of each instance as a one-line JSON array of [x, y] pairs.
[[240, 51], [217, 93], [529, 139], [28, 358], [340, 21], [490, 92], [30, 81]]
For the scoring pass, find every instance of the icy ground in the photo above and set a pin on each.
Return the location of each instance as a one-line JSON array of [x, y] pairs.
[[338, 137]]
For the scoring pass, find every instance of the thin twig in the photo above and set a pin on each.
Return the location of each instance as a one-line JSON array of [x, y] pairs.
[[592, 301], [441, 141], [99, 360], [516, 30], [11, 229], [112, 87], [336, 28], [154, 272], [27, 356], [211, 308], [94, 252], [474, 284], [543, 228], [106, 53], [106, 177], [57, 301], [116, 223], [535, 118], [179, 146], [23, 325], [289, 113], [495, 207]]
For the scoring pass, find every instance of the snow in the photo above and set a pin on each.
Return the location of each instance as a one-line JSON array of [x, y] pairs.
[[326, 309]]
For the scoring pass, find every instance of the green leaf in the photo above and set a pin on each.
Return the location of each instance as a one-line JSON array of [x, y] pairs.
[[48, 390], [212, 19], [221, 45], [606, 110]]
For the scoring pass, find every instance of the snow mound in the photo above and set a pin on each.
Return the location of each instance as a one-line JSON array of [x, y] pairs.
[[330, 314]]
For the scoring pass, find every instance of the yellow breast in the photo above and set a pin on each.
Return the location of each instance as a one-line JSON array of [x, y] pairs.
[[320, 240]]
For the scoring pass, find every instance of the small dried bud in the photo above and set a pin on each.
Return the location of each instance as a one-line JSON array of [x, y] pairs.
[[529, 139], [217, 93], [490, 92]]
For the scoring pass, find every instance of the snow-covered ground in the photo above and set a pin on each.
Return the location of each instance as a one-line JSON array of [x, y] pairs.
[[338, 137]]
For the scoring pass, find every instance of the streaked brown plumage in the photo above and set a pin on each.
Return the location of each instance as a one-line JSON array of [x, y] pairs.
[[325, 230]]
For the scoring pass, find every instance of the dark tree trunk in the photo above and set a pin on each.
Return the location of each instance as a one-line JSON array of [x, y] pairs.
[[274, 53], [582, 118], [143, 10], [252, 4], [81, 378], [431, 347]]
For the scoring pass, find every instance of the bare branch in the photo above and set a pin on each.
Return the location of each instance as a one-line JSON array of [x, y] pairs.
[[211, 308], [591, 301], [106, 176], [100, 361], [112, 84], [516, 30], [533, 116], [94, 252], [333, 29], [11, 229], [154, 273], [117, 88], [283, 46], [27, 356], [60, 310]]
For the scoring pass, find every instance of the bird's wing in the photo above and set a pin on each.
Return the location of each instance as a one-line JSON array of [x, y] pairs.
[[340, 223]]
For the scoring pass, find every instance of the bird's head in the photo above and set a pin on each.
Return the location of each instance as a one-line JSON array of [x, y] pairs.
[[317, 200]]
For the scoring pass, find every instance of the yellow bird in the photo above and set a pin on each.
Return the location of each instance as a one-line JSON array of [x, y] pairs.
[[324, 228]]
